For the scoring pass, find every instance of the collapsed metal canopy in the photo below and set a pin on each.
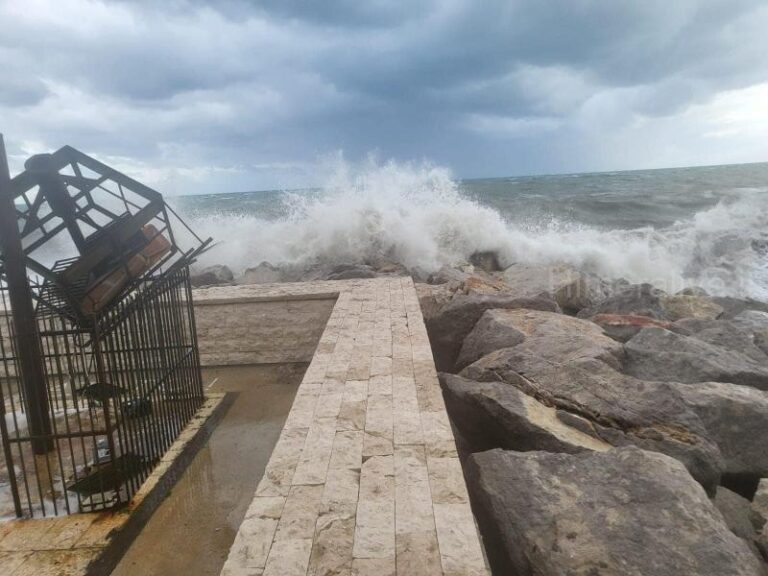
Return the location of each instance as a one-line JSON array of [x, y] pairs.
[[99, 367]]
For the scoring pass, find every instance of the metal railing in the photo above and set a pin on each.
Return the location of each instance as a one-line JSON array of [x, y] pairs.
[[119, 393]]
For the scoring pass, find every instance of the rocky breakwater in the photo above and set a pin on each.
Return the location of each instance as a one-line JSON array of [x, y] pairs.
[[605, 428]]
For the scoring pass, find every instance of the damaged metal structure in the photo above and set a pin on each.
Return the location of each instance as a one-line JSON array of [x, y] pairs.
[[99, 365]]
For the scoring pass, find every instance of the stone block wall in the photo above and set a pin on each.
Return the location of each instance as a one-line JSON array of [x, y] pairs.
[[260, 331], [254, 330]]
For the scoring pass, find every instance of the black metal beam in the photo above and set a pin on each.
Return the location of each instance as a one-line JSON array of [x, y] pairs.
[[23, 313]]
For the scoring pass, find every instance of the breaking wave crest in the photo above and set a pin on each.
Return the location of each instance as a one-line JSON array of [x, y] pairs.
[[418, 215]]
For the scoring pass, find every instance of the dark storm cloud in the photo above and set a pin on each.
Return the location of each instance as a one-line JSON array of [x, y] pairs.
[[254, 92]]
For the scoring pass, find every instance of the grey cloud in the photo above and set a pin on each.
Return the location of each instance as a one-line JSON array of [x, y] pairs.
[[489, 88]]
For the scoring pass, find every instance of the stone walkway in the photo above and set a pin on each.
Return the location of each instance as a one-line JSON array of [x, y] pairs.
[[365, 478]]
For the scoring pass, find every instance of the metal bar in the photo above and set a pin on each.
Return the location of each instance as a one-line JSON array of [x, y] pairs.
[[23, 314]]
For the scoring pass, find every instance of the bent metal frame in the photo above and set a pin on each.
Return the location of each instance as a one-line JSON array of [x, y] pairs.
[[99, 364]]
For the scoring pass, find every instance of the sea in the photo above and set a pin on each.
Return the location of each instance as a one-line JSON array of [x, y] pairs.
[[674, 228]]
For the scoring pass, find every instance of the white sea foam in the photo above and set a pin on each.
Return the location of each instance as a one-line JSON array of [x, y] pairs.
[[416, 215]]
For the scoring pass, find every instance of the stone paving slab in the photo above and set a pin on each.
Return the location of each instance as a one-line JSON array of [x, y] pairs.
[[365, 478]]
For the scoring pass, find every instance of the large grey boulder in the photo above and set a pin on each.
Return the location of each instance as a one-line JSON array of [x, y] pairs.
[[487, 261], [497, 415], [351, 272], [571, 288], [697, 306], [617, 408], [432, 298], [739, 517], [755, 323], [732, 307], [455, 320], [555, 337], [622, 327], [448, 274], [635, 299], [658, 354], [212, 276], [264, 273], [736, 419], [626, 512], [731, 334]]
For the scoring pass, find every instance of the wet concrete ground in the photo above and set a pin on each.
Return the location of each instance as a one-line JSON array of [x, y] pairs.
[[191, 532]]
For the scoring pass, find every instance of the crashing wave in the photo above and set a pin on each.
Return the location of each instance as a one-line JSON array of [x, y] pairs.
[[419, 216]]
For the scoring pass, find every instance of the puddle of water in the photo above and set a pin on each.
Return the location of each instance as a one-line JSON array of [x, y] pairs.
[[192, 530]]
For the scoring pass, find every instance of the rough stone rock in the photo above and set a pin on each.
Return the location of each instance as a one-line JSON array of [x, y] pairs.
[[755, 323], [497, 415], [351, 271], [432, 298], [264, 273], [658, 354], [386, 266], [487, 261], [736, 419], [690, 306], [447, 274], [625, 512], [212, 275], [738, 516], [476, 284], [693, 291], [622, 327], [554, 337], [760, 505], [456, 319], [571, 288], [734, 306], [635, 299], [728, 334], [619, 409]]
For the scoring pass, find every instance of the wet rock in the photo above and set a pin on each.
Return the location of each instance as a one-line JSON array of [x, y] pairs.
[[456, 319], [658, 354], [736, 419], [619, 409], [571, 288], [476, 284], [693, 291], [553, 337], [635, 299], [212, 276], [432, 298], [497, 415], [734, 306], [726, 334], [493, 331], [447, 274], [759, 505], [690, 306], [623, 327], [754, 323], [625, 512], [351, 271], [738, 516], [264, 273], [487, 261], [385, 266]]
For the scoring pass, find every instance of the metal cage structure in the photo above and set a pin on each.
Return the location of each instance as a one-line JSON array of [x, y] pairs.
[[99, 365]]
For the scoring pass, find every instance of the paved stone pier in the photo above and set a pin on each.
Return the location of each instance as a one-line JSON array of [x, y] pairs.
[[365, 478]]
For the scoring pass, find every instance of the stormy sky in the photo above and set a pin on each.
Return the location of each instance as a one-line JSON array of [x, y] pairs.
[[196, 96]]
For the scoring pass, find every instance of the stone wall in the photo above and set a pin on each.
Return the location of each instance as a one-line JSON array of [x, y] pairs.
[[260, 330], [254, 330]]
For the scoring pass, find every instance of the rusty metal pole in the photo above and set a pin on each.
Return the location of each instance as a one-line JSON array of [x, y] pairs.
[[25, 325]]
